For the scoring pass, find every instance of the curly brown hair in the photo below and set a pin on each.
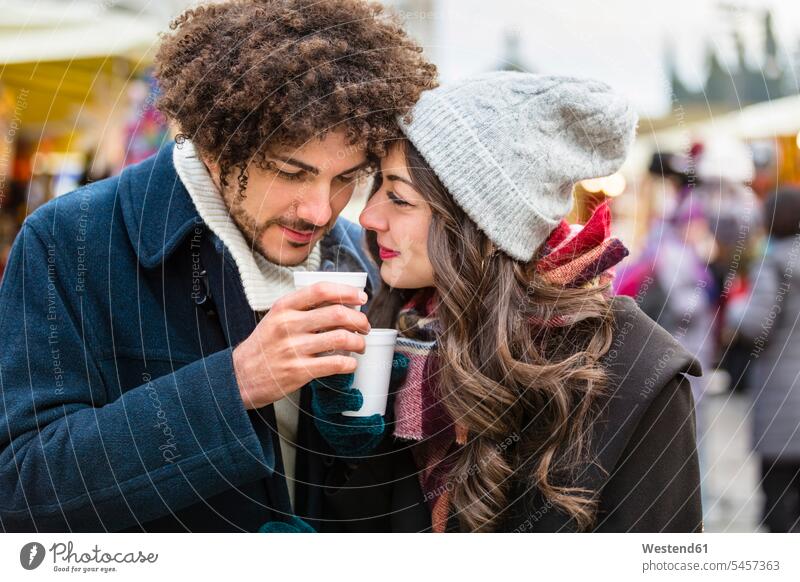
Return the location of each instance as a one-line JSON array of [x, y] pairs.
[[240, 75]]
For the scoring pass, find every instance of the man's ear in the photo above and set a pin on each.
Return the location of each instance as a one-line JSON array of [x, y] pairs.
[[212, 166], [209, 162]]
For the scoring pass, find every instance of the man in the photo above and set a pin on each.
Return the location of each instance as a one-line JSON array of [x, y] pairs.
[[154, 350]]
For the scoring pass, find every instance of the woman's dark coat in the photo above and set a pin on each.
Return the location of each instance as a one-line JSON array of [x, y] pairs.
[[645, 472]]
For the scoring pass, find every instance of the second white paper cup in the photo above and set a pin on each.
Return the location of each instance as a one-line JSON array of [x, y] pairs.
[[374, 372]]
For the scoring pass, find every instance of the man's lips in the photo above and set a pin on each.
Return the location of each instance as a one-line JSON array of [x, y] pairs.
[[296, 235], [387, 253]]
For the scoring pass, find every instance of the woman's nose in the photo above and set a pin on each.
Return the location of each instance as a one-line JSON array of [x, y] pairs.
[[371, 217]]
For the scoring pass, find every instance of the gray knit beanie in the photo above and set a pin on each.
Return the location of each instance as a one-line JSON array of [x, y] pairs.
[[509, 147]]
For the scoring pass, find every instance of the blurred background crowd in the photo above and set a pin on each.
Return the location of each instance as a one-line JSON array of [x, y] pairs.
[[709, 202]]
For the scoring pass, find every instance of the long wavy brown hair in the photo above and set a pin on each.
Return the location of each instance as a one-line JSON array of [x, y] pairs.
[[502, 377]]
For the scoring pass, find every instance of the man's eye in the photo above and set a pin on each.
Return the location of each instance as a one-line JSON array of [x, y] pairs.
[[356, 175], [291, 175]]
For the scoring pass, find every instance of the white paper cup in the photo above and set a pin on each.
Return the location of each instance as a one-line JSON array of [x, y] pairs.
[[307, 278], [374, 371], [353, 279]]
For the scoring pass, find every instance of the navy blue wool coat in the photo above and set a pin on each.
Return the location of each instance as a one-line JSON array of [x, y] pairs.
[[119, 408]]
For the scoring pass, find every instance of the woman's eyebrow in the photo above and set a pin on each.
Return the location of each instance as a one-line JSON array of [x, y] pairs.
[[395, 178]]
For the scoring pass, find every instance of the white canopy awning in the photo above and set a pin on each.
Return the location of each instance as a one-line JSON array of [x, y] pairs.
[[770, 119], [36, 31]]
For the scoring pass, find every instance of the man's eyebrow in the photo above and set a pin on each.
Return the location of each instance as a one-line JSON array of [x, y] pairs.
[[360, 166], [315, 171], [298, 163]]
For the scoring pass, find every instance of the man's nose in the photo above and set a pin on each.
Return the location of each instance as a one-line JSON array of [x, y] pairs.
[[315, 205]]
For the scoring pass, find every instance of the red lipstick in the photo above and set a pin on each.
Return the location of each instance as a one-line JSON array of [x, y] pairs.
[[387, 253]]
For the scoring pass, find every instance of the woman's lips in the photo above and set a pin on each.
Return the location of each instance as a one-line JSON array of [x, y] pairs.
[[297, 236], [386, 253]]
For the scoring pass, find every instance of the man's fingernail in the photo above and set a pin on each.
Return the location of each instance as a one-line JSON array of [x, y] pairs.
[[363, 296]]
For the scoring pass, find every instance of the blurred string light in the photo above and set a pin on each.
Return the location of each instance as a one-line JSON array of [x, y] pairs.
[[612, 185]]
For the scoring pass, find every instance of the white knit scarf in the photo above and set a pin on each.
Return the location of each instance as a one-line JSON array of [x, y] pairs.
[[264, 282]]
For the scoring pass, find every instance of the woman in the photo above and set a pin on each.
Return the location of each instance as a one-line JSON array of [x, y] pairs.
[[533, 400], [767, 317]]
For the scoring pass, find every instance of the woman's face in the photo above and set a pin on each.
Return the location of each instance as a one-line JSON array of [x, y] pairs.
[[400, 217]]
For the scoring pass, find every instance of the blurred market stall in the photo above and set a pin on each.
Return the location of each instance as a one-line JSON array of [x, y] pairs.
[[75, 100]]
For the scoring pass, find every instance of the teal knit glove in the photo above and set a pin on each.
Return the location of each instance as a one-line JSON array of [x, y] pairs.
[[399, 371], [349, 435], [294, 525]]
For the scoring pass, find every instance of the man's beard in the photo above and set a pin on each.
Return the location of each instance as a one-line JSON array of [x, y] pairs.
[[253, 232]]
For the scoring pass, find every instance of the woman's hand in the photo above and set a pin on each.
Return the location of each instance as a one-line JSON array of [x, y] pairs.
[[294, 525], [349, 435]]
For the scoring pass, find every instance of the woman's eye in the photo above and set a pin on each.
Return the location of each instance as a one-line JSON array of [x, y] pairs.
[[395, 199]]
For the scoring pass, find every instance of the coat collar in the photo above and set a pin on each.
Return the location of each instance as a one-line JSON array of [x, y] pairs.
[[156, 207], [159, 214]]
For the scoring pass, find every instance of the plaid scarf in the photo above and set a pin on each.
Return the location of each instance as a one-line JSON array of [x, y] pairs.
[[419, 413], [572, 256], [581, 255]]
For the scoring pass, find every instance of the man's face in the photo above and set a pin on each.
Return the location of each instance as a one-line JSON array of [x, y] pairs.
[[286, 210]]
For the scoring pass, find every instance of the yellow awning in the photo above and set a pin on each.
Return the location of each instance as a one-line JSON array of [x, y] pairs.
[[64, 60]]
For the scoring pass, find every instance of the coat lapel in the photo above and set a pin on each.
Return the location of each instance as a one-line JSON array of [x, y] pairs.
[[238, 321], [156, 208], [635, 379], [157, 223]]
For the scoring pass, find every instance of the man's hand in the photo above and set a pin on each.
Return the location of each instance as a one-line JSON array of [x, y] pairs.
[[280, 356]]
